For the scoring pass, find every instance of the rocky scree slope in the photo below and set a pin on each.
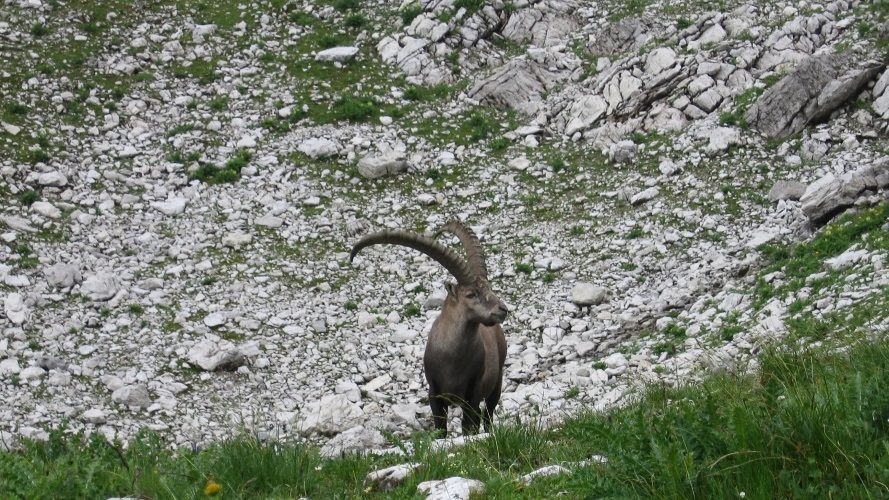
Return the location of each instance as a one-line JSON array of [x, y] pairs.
[[181, 184]]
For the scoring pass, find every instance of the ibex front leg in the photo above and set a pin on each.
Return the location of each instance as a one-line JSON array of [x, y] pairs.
[[439, 406]]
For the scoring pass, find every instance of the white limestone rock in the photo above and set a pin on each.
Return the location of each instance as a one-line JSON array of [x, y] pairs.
[[216, 355], [452, 488], [587, 294], [173, 206], [380, 164], [14, 307], [337, 54], [318, 147], [330, 415], [9, 366], [390, 477], [94, 416], [357, 440], [46, 209], [100, 287], [133, 396]]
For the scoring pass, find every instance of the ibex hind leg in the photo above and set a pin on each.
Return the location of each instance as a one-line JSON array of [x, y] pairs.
[[472, 417]]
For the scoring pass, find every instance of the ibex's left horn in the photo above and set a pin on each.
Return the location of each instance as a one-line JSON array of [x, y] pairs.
[[475, 255]]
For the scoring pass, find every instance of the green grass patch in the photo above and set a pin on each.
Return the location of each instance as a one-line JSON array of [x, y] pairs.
[[180, 129], [809, 424], [355, 108], [212, 174], [798, 262]]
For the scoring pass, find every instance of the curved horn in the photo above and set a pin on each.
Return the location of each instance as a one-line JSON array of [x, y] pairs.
[[475, 255], [440, 253]]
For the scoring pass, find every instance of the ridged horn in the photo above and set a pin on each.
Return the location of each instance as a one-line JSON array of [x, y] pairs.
[[475, 255], [438, 252]]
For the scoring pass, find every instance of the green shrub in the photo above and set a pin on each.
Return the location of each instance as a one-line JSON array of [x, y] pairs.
[[301, 18], [219, 103], [344, 5], [39, 156], [328, 41], [39, 30], [355, 21], [29, 197], [410, 13], [355, 108], [500, 144], [16, 109]]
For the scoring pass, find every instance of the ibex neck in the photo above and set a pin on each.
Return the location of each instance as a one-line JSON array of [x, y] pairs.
[[456, 332]]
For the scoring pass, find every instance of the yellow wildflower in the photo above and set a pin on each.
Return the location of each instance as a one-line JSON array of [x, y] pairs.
[[212, 487]]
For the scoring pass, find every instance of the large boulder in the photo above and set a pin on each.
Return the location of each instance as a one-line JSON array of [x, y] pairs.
[[830, 195], [626, 35], [812, 91], [518, 85], [539, 27]]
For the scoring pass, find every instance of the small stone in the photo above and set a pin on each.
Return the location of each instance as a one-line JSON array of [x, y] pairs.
[[452, 488], [31, 373], [376, 165], [550, 470], [587, 294], [337, 54], [93, 416], [214, 320], [390, 477], [132, 395], [52, 179], [15, 309], [11, 129], [9, 366], [46, 209], [129, 152], [644, 196], [236, 240], [787, 190], [173, 206]]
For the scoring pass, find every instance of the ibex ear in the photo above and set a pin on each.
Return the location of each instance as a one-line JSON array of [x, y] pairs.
[[451, 287]]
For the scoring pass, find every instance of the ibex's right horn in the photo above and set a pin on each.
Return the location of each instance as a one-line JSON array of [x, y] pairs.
[[440, 253]]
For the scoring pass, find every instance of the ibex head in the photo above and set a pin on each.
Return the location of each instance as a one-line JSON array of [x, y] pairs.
[[471, 295]]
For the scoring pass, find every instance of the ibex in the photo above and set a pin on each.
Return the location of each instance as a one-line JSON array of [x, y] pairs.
[[466, 347]]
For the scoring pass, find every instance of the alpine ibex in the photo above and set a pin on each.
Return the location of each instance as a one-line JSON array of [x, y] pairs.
[[466, 347]]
